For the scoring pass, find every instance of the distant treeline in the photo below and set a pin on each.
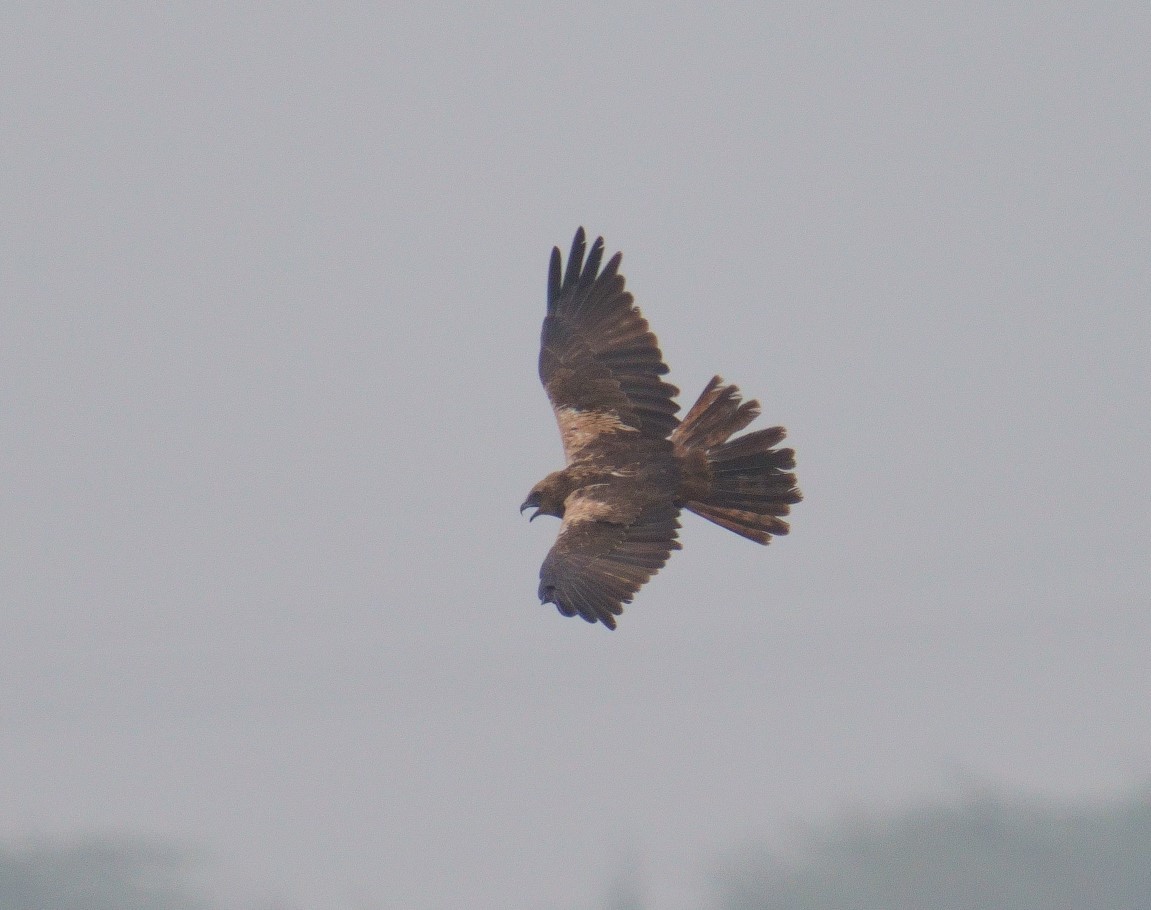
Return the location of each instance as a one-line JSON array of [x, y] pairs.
[[94, 875], [987, 853]]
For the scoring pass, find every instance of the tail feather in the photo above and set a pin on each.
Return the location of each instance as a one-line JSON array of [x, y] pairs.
[[746, 524], [753, 443], [714, 417], [746, 485]]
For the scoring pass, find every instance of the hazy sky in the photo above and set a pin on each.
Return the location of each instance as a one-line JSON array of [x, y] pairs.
[[272, 279]]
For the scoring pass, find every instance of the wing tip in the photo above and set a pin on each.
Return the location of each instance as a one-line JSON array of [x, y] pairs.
[[548, 595], [583, 265]]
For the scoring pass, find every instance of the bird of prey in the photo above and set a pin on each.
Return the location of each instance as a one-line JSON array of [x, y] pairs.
[[632, 465]]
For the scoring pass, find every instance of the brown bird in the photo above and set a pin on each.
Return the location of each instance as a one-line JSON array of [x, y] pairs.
[[631, 463]]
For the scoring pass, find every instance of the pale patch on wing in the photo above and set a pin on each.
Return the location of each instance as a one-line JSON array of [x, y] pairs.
[[579, 429], [585, 504]]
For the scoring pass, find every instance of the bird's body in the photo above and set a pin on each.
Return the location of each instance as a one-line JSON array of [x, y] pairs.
[[632, 465]]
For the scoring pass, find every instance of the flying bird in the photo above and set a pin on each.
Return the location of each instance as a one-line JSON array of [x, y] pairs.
[[632, 465]]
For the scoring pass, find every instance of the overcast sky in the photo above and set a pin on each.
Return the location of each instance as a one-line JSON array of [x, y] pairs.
[[272, 279]]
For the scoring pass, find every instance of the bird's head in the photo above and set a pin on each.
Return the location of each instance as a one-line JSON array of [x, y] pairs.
[[545, 499]]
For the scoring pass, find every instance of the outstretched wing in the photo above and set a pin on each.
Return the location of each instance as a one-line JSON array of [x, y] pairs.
[[599, 361], [597, 564]]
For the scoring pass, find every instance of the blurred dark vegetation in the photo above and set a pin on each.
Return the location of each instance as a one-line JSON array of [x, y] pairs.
[[984, 853], [95, 875], [987, 853]]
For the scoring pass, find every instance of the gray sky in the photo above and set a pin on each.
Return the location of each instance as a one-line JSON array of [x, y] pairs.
[[272, 283]]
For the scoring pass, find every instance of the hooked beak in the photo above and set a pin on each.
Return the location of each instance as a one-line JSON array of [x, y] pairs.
[[529, 505]]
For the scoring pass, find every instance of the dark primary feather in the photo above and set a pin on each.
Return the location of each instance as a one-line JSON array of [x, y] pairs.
[[597, 566], [596, 349]]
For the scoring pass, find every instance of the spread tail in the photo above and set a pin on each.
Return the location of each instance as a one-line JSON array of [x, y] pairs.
[[742, 484]]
